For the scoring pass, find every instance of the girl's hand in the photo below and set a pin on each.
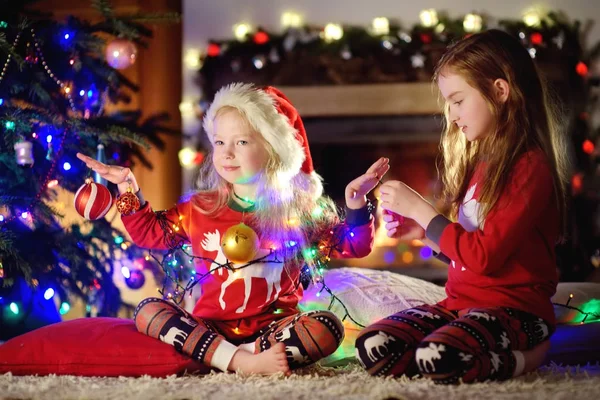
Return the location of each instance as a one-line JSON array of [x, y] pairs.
[[397, 197], [121, 176], [402, 228], [406, 229], [357, 190], [400, 199]]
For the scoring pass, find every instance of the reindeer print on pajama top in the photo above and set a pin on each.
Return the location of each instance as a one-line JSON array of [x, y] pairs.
[[237, 288]]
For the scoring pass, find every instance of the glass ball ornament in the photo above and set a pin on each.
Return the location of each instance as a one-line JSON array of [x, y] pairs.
[[92, 200], [136, 279], [240, 244], [121, 53]]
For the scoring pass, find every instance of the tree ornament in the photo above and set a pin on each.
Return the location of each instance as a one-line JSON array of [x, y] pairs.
[[24, 153], [92, 200], [128, 202], [50, 152], [425, 38], [581, 68], [588, 146], [121, 53], [136, 279], [261, 37], [536, 38], [1, 270], [240, 244], [31, 56], [100, 157], [213, 50]]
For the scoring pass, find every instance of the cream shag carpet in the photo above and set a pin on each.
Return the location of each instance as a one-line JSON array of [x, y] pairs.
[[347, 383]]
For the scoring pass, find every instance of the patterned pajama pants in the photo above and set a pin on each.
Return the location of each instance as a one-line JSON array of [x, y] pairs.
[[476, 344], [308, 336]]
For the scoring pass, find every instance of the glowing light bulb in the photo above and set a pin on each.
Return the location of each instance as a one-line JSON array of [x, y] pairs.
[[333, 32]]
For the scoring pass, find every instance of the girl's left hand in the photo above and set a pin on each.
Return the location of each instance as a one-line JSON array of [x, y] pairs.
[[399, 198], [357, 190]]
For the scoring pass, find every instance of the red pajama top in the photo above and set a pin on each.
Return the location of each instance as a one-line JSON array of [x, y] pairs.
[[254, 296], [508, 260]]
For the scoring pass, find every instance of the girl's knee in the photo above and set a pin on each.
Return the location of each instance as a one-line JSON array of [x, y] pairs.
[[146, 311], [325, 330], [328, 321], [382, 353], [435, 359]]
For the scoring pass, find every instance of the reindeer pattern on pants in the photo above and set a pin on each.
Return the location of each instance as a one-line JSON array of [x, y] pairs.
[[438, 343]]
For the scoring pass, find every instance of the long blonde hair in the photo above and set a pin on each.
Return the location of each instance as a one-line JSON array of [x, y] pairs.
[[287, 213], [527, 120]]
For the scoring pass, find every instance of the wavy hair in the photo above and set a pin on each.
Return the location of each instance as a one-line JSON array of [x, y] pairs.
[[287, 214], [527, 120]]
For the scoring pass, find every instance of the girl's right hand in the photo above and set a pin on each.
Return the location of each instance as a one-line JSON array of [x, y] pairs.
[[121, 176], [402, 228]]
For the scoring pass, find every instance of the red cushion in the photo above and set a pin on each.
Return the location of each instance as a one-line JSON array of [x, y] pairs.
[[92, 347]]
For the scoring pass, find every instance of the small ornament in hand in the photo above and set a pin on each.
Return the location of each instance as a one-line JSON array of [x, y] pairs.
[[92, 200], [240, 244], [128, 203]]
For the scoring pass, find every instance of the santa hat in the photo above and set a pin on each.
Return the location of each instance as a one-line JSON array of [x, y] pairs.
[[272, 115]]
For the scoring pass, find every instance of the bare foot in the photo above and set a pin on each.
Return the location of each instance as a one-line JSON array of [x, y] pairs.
[[266, 363], [535, 357]]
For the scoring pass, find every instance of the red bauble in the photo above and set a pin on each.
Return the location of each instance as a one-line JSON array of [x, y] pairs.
[[92, 200], [128, 203], [536, 38], [588, 146], [426, 38], [261, 37], [213, 50], [581, 68]]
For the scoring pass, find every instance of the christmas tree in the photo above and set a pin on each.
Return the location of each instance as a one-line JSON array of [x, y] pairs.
[[57, 79]]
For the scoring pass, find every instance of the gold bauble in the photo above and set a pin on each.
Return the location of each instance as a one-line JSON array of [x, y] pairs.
[[240, 244]]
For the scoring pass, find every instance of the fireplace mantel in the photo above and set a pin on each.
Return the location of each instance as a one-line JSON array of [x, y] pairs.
[[417, 98]]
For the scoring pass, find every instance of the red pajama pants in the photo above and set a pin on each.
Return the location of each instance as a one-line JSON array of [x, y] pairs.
[[308, 336], [438, 343]]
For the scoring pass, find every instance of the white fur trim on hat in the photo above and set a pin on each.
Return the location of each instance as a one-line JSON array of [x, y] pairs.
[[259, 110]]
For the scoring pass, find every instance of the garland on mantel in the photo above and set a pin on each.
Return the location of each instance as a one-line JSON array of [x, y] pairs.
[[383, 53]]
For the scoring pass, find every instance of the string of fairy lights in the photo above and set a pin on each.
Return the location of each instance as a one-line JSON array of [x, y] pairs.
[[595, 315], [317, 256], [316, 260]]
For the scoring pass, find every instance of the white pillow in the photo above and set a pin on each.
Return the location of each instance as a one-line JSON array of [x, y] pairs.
[[369, 295]]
